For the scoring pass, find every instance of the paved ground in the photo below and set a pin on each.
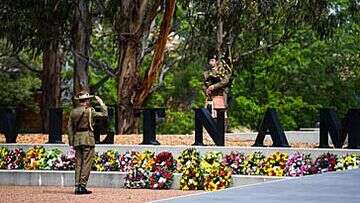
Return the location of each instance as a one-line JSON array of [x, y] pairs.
[[336, 187], [27, 194]]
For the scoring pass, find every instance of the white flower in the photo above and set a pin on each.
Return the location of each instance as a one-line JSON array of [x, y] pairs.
[[191, 181], [162, 180]]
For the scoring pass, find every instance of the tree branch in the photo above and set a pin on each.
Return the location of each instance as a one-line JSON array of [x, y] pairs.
[[158, 57], [96, 64], [164, 70], [38, 72], [259, 49], [149, 49], [150, 13], [283, 39], [95, 87]]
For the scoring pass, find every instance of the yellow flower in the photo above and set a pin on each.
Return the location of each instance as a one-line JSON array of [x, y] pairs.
[[211, 187]]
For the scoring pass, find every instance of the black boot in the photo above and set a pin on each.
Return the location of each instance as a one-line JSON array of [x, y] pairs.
[[82, 191], [77, 190]]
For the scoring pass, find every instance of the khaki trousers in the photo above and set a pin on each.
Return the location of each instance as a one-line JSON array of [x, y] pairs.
[[84, 157]]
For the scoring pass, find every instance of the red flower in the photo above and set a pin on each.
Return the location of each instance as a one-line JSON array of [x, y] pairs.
[[222, 173], [161, 179], [165, 160]]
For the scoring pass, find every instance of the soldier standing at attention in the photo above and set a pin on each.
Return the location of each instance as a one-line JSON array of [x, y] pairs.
[[81, 137], [216, 82]]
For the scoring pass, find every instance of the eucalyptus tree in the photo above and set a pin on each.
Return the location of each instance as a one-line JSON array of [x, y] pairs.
[[252, 32], [248, 27], [80, 44], [132, 23], [39, 28]]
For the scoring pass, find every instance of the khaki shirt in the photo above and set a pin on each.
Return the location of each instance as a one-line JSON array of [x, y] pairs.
[[83, 135]]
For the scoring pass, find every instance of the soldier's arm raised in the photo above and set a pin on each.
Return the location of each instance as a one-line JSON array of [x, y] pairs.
[[103, 109]]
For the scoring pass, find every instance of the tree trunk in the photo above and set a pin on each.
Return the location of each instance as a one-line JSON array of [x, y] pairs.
[[159, 53], [52, 63], [127, 87], [132, 26], [81, 42]]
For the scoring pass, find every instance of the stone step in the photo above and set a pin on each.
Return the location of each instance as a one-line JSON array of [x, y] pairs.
[[98, 179]]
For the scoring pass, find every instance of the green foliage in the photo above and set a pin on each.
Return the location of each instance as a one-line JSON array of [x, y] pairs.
[[31, 25], [298, 78], [177, 122], [182, 91], [317, 66], [103, 52], [295, 56], [182, 88], [107, 91], [18, 91]]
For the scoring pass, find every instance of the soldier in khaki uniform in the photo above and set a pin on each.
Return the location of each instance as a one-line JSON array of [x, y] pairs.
[[81, 137], [216, 82]]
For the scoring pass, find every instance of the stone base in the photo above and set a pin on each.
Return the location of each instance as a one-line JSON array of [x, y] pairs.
[[98, 179]]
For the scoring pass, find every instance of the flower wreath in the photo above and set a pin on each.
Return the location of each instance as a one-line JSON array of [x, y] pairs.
[[211, 161], [47, 162], [126, 160], [298, 165], [192, 178], [144, 160], [234, 160], [108, 161], [165, 160], [65, 161], [15, 159], [325, 163], [253, 163], [275, 164], [347, 162], [217, 176], [3, 154], [161, 179], [33, 157], [188, 158], [218, 179], [137, 178]]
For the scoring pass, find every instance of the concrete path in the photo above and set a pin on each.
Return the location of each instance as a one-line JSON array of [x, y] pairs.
[[53, 194], [335, 187]]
